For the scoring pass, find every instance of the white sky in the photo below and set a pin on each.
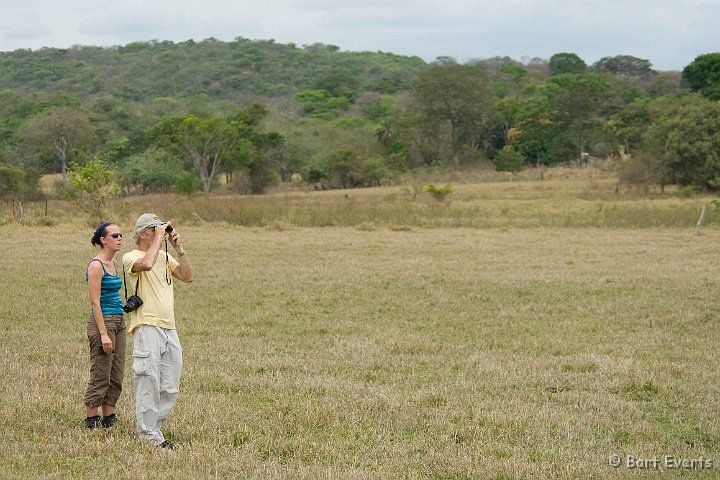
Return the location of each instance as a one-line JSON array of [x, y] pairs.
[[669, 33]]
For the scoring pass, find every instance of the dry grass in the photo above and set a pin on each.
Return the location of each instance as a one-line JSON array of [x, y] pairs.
[[524, 342], [566, 198], [373, 353]]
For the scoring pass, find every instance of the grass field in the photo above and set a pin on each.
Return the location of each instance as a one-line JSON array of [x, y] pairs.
[[388, 349], [566, 198]]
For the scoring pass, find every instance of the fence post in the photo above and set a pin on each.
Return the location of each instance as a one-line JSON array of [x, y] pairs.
[[700, 221]]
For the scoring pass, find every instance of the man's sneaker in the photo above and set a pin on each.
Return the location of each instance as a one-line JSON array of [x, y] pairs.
[[92, 422], [168, 445], [109, 421]]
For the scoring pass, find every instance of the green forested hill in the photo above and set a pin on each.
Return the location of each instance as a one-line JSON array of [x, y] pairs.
[[142, 71], [269, 111], [114, 96]]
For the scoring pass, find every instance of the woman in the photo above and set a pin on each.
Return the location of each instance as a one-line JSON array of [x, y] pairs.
[[105, 329]]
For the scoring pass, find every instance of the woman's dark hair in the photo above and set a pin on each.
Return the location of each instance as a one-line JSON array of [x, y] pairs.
[[99, 232]]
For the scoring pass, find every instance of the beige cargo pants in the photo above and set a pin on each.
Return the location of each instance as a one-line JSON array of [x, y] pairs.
[[156, 367]]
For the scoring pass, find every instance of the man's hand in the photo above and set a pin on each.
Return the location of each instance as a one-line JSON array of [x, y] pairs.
[[176, 241], [160, 230], [184, 271]]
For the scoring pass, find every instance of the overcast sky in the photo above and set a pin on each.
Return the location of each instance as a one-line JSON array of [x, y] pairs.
[[669, 33]]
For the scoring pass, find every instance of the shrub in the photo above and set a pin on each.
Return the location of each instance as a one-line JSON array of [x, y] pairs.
[[377, 110], [153, 170], [375, 170], [413, 190], [508, 160], [686, 191], [317, 170], [439, 193], [17, 182], [261, 177], [398, 156], [322, 104], [186, 183]]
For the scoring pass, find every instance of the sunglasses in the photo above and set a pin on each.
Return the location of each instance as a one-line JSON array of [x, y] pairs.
[[115, 235]]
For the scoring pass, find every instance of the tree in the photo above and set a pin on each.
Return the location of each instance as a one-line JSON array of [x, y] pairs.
[[624, 66], [537, 130], [566, 63], [385, 134], [584, 102], [90, 186], [265, 161], [629, 125], [249, 145], [186, 183], [565, 116], [506, 112], [61, 131], [686, 143], [154, 170], [379, 110], [17, 183], [205, 141], [703, 75], [456, 95], [252, 115], [374, 171], [15, 109], [322, 104], [509, 81], [427, 140], [645, 170], [341, 83], [664, 83], [346, 169], [444, 60]]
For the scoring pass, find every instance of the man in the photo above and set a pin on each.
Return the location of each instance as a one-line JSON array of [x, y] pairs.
[[157, 355]]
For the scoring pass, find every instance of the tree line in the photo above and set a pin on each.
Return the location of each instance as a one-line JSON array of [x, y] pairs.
[[176, 117]]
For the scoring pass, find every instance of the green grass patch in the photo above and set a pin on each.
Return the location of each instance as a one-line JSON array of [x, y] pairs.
[[517, 338], [376, 353]]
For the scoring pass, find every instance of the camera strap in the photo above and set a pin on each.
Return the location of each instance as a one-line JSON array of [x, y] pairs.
[[168, 278], [137, 285]]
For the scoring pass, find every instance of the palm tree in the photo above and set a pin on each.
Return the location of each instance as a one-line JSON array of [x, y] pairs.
[[385, 134]]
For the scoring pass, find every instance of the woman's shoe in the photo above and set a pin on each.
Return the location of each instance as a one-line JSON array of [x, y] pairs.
[[109, 421], [92, 422]]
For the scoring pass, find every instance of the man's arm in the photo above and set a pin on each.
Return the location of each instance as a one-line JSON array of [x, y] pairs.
[[147, 262], [184, 271]]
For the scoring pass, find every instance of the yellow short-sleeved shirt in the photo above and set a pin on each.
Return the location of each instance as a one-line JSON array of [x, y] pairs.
[[158, 308]]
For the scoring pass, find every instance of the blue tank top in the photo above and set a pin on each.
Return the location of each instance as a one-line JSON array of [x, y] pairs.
[[110, 303]]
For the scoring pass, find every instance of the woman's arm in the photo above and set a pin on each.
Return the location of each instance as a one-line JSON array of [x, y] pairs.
[[95, 274]]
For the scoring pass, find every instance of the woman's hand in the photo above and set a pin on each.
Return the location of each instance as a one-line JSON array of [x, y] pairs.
[[106, 343]]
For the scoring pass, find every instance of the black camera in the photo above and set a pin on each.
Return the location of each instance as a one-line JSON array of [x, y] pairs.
[[168, 229], [133, 303]]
